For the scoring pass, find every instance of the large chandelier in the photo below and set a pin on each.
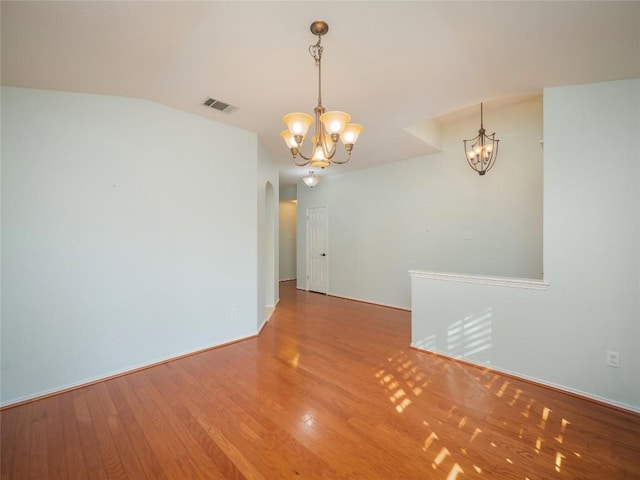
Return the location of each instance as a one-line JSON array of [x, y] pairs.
[[481, 155], [336, 126]]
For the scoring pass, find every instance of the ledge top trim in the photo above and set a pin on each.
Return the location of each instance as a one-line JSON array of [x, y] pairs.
[[513, 282]]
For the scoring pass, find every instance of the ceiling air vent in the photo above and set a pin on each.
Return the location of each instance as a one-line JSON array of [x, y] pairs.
[[218, 105]]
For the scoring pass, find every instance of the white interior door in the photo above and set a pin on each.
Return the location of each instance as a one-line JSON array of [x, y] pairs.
[[317, 240]]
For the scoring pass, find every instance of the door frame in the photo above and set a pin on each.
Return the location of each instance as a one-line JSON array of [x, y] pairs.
[[308, 250]]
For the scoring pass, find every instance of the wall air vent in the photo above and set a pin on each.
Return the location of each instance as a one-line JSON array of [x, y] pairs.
[[218, 105]]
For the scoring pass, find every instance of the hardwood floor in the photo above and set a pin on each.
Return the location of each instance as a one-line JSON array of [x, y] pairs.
[[329, 390]]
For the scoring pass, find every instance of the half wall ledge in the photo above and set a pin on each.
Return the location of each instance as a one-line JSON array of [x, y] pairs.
[[513, 282]]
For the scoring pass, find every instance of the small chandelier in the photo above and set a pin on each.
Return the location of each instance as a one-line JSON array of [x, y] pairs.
[[336, 126], [311, 180], [482, 154]]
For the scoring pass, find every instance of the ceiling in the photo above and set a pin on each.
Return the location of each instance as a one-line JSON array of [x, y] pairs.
[[393, 65]]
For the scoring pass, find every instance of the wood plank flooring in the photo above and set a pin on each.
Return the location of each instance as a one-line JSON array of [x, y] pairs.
[[329, 390]]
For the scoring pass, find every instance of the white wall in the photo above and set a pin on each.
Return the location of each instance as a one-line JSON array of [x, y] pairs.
[[591, 260], [386, 220], [267, 246], [287, 232], [288, 212], [126, 237], [592, 233]]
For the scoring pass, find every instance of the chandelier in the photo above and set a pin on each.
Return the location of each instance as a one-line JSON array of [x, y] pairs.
[[481, 156], [335, 123], [311, 180]]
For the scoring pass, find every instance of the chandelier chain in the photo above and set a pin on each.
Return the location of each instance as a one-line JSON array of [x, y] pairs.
[[316, 53]]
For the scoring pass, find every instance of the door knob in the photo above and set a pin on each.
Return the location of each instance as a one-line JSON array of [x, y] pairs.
[[323, 254]]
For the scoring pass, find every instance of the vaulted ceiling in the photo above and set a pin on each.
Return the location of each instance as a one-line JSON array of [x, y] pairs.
[[391, 64]]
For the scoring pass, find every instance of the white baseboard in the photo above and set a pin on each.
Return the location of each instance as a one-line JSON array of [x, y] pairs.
[[397, 307], [114, 374], [269, 310], [555, 386]]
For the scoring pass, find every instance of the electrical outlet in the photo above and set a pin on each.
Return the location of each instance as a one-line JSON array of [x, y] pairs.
[[467, 235], [613, 359]]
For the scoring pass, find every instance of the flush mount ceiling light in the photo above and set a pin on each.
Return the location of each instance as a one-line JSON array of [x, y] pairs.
[[311, 180], [336, 126], [481, 155]]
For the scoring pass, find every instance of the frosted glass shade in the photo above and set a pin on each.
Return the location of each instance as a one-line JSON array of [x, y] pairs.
[[351, 133], [334, 122], [319, 160], [322, 163], [288, 139], [298, 123], [311, 180]]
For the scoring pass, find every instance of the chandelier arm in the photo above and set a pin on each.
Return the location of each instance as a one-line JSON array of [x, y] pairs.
[[342, 162], [477, 165], [494, 155], [468, 161], [308, 159], [471, 140], [295, 160], [327, 154]]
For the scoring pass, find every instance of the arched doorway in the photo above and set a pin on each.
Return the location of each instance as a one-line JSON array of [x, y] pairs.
[[269, 252]]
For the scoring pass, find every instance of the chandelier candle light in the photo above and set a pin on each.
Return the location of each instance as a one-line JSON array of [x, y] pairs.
[[336, 126], [481, 156]]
